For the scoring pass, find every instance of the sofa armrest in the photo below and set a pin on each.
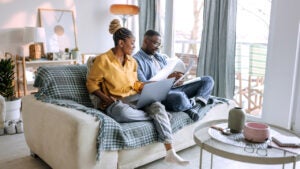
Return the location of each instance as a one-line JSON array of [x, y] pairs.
[[62, 137]]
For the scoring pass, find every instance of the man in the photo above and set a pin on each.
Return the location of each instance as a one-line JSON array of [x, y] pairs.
[[181, 98]]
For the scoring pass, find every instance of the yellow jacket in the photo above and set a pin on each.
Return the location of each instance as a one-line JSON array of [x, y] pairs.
[[108, 75]]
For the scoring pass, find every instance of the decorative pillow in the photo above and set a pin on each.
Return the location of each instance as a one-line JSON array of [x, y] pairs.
[[66, 82], [94, 99]]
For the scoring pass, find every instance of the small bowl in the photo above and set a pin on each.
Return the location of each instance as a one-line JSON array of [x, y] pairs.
[[256, 132]]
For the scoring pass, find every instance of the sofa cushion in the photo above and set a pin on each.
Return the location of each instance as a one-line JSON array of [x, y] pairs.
[[63, 83]]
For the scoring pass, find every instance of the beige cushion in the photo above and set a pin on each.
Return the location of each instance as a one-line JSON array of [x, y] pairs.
[[94, 99]]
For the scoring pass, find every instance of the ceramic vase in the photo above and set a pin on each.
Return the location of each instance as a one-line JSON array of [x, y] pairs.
[[236, 119]]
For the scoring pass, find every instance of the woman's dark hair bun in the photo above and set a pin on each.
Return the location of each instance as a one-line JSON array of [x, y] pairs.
[[114, 26]]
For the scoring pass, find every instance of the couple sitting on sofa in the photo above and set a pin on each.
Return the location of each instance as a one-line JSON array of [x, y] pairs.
[[115, 74]]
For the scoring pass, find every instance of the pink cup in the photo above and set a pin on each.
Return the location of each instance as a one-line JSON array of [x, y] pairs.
[[256, 132]]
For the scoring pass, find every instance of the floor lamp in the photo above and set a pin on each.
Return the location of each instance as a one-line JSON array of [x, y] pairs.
[[124, 11]]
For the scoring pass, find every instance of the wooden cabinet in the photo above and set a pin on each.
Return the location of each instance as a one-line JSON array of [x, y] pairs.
[[26, 73]]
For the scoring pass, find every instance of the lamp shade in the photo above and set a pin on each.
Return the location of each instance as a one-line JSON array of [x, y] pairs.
[[124, 9], [34, 34]]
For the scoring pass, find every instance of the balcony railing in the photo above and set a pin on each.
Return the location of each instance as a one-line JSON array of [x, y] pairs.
[[250, 64]]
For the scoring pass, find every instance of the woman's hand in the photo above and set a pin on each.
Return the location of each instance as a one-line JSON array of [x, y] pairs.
[[106, 101]]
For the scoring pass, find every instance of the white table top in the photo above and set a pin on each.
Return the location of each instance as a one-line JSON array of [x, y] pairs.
[[217, 147]]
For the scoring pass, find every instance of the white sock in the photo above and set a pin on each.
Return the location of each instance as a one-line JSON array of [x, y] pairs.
[[172, 157]]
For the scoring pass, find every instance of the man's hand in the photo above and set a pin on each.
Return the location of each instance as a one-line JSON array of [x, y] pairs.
[[179, 83], [177, 75]]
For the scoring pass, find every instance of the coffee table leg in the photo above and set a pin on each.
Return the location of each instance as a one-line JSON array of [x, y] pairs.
[[200, 163], [284, 154], [294, 165], [211, 160]]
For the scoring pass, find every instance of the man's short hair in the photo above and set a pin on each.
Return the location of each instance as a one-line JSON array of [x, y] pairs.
[[151, 33]]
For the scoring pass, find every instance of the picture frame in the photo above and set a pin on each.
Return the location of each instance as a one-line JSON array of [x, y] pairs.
[[60, 29]]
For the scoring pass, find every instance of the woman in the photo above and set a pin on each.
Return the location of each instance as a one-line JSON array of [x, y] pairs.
[[113, 76]]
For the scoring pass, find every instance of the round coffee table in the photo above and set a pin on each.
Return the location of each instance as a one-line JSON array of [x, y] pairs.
[[274, 154]]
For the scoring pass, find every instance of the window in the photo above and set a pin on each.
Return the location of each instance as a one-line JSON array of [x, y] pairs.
[[188, 21], [252, 30]]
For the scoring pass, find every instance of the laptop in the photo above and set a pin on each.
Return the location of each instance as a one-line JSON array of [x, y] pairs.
[[152, 92]]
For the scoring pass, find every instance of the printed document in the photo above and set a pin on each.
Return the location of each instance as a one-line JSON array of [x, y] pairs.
[[173, 64]]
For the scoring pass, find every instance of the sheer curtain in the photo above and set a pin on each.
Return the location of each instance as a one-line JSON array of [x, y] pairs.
[[167, 27], [157, 15], [217, 51], [148, 17]]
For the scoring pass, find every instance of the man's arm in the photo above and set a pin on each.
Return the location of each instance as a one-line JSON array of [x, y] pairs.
[[141, 75]]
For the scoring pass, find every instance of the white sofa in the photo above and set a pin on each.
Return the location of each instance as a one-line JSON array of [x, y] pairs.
[[65, 138]]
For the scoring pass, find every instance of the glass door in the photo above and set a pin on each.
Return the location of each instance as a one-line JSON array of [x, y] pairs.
[[252, 30]]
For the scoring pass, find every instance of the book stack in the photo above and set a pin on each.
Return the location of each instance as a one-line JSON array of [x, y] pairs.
[[286, 141]]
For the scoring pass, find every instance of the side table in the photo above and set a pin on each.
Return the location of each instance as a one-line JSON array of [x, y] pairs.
[[215, 147]]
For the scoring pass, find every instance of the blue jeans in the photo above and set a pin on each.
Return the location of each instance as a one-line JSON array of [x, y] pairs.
[[123, 113], [178, 99]]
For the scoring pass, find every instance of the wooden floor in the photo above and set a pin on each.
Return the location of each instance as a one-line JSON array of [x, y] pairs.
[[14, 154]]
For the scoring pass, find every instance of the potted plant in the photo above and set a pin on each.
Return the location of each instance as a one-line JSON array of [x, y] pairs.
[[75, 53], [7, 85]]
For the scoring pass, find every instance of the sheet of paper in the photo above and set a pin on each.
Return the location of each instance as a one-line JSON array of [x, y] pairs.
[[188, 82], [173, 64], [186, 72]]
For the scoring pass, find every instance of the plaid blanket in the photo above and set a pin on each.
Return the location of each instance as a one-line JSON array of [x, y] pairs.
[[65, 86]]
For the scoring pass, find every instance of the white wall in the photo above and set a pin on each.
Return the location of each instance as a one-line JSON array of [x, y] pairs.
[[93, 20], [280, 80], [16, 15], [91, 17], [296, 93]]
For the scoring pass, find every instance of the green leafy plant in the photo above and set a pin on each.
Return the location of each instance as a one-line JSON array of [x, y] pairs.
[[7, 77]]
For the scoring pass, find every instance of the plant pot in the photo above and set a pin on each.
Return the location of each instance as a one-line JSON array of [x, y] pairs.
[[13, 109], [75, 54], [2, 114]]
